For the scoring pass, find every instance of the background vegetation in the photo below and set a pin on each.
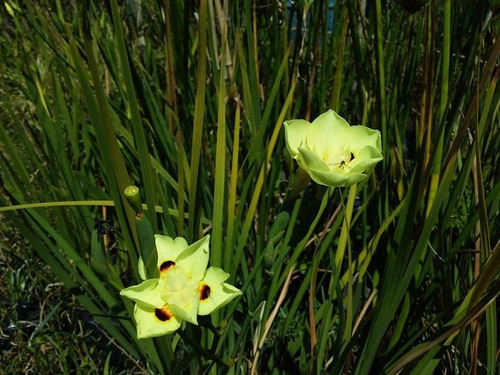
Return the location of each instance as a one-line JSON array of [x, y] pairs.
[[186, 100]]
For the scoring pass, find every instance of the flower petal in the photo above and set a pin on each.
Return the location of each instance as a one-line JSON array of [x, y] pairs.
[[142, 268], [354, 178], [361, 136], [148, 293], [319, 170], [328, 135], [332, 121], [367, 157], [295, 134], [153, 322], [194, 259], [169, 248], [333, 179], [214, 292], [310, 160], [189, 316]]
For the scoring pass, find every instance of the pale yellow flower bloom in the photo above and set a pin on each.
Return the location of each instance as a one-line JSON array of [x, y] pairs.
[[184, 290], [331, 151]]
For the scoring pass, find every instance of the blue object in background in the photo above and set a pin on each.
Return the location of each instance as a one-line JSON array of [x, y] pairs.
[[293, 12]]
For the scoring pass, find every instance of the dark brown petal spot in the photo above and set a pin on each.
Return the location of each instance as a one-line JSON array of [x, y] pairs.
[[163, 314], [352, 156], [204, 292], [166, 265]]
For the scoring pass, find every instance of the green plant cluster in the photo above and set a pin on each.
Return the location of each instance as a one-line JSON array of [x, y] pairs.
[[187, 100]]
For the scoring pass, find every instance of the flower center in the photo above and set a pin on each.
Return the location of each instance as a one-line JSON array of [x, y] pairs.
[[340, 162], [179, 288]]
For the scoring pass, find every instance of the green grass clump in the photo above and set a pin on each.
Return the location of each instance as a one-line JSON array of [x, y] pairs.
[[44, 329]]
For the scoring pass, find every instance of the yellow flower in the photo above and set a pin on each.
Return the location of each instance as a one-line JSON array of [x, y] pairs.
[[331, 151], [185, 288]]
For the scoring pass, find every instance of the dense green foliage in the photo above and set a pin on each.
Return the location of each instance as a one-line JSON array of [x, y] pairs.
[[186, 100]]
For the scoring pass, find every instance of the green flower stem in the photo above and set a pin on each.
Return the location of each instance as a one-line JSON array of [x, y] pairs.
[[334, 283], [339, 256], [145, 230], [344, 235], [145, 234], [350, 299], [312, 293]]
